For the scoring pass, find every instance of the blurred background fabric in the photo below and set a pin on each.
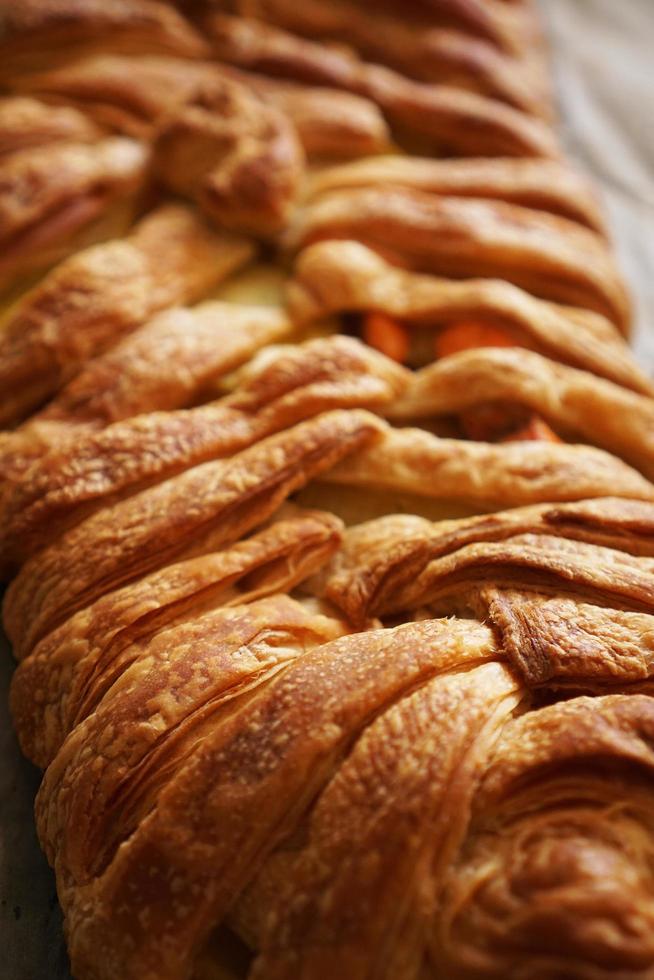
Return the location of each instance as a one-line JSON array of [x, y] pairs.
[[602, 63]]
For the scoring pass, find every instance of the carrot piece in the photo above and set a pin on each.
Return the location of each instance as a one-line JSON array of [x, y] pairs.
[[468, 334], [386, 335], [535, 430]]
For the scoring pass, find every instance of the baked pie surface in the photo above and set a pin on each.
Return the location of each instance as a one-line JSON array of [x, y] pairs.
[[327, 496]]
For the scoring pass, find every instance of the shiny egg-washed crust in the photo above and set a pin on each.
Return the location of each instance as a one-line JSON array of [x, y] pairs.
[[573, 401], [169, 362], [345, 276], [26, 123], [171, 257], [443, 53], [600, 548], [92, 471], [488, 474], [550, 256], [252, 720], [71, 664], [52, 196], [258, 793], [41, 33], [199, 510], [135, 97], [435, 116]]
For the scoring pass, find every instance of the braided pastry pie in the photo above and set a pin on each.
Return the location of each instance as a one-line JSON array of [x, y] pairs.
[[326, 498]]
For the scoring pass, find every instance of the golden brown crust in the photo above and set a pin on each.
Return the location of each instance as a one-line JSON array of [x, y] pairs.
[[429, 51], [98, 469], [170, 257], [251, 721], [438, 117], [197, 511], [385, 565], [329, 123], [560, 842], [558, 642], [72, 667], [132, 96], [51, 199], [507, 474], [287, 739], [506, 28], [169, 362], [544, 185], [407, 788], [27, 123], [345, 276], [136, 98], [575, 402], [238, 157], [547, 255], [42, 33]]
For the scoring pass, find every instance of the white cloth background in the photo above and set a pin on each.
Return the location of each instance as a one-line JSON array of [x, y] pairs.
[[603, 68], [604, 74]]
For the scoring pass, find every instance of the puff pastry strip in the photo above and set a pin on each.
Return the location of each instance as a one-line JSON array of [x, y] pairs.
[[170, 257], [194, 512], [437, 116], [93, 471], [564, 811], [384, 564], [489, 474], [345, 276], [525, 830], [53, 200], [544, 185], [506, 28], [328, 695], [428, 51], [575, 401], [135, 97], [168, 362], [41, 33], [547, 255], [76, 663]]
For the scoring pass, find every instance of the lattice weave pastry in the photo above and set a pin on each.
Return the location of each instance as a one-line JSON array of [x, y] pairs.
[[327, 500]]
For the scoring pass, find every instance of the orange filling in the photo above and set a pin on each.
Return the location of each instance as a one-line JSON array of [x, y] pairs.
[[468, 334], [386, 335], [487, 423]]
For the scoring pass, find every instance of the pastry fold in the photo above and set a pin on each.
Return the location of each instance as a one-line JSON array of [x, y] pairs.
[[547, 255], [101, 468], [345, 276], [574, 401], [489, 474], [74, 664], [237, 156], [600, 548], [136, 97], [197, 511], [170, 257], [448, 50], [436, 117], [58, 198], [42, 33]]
